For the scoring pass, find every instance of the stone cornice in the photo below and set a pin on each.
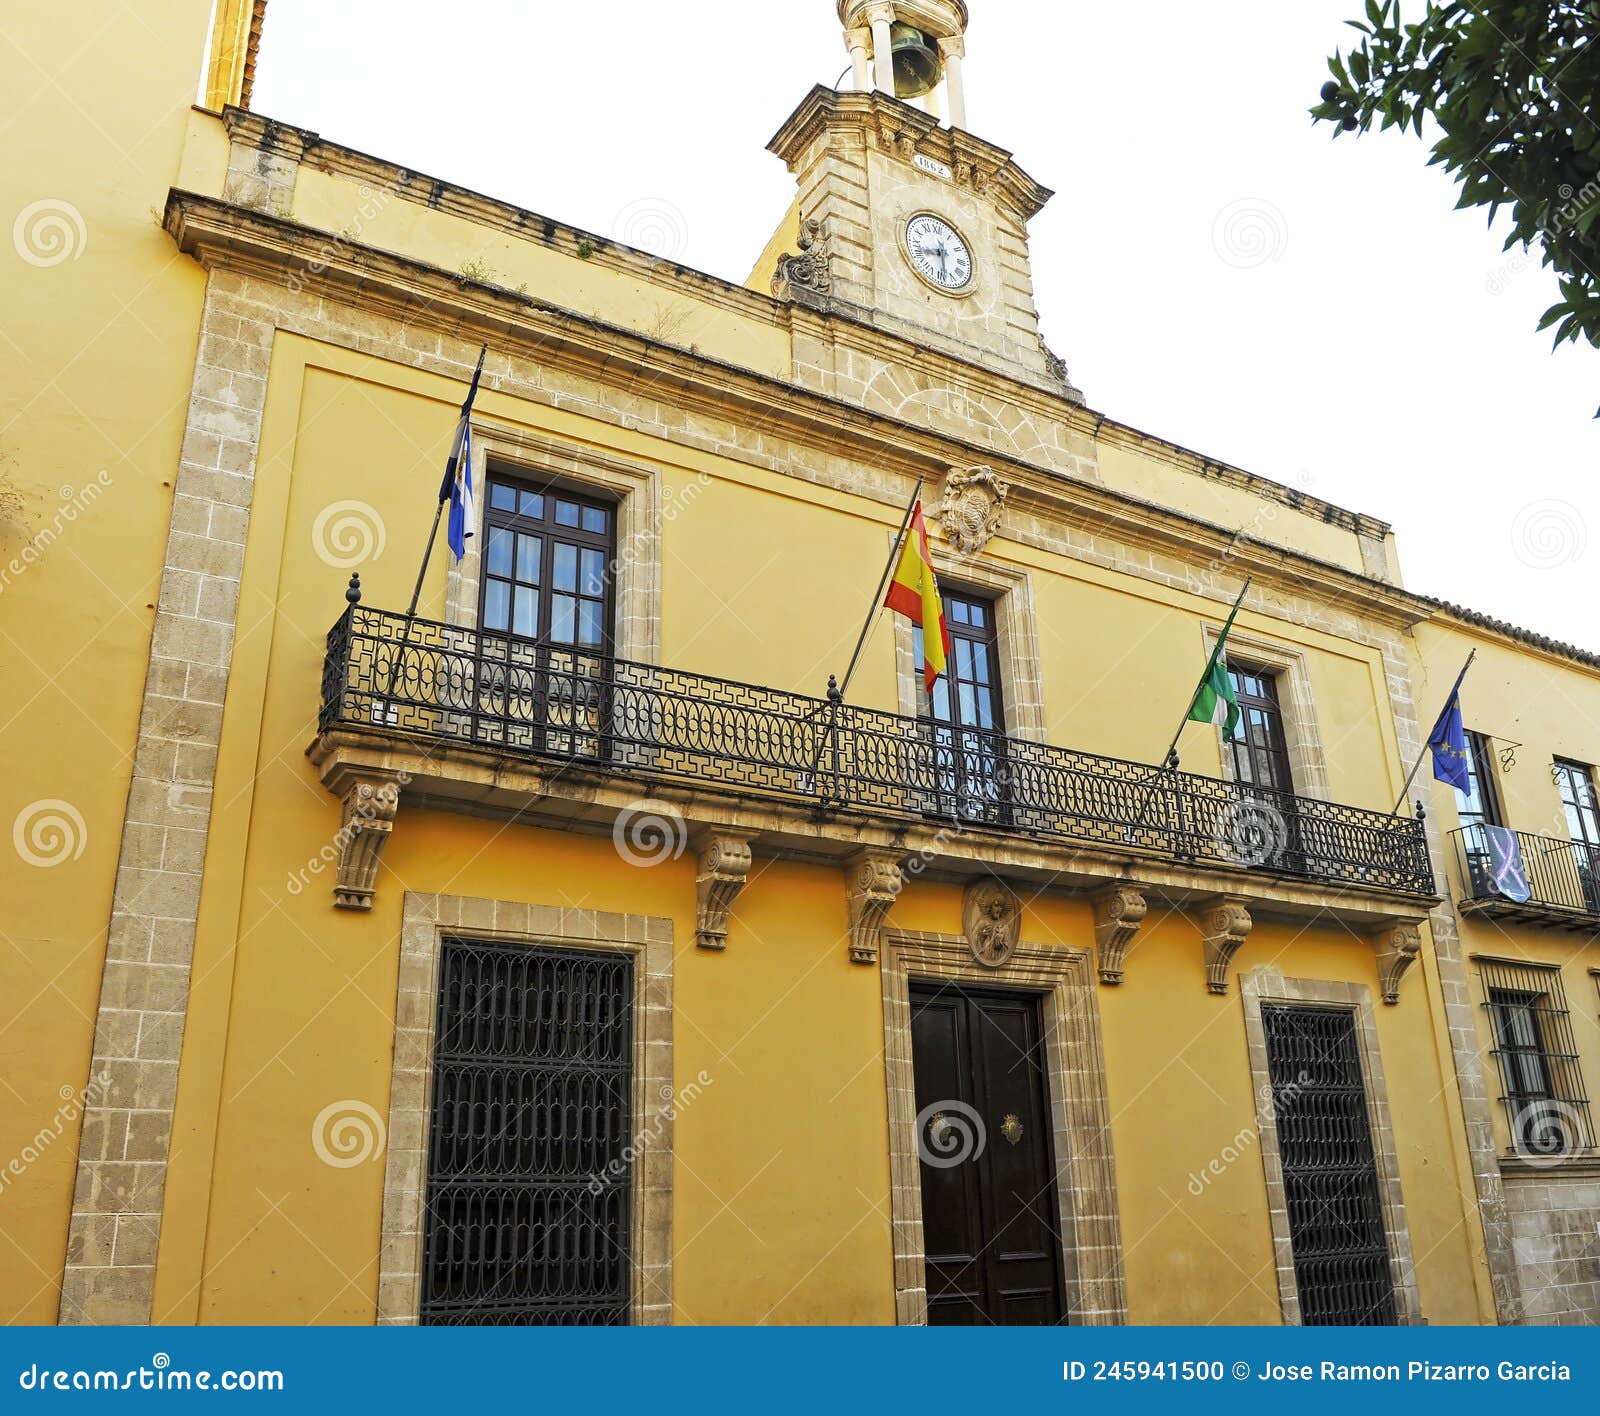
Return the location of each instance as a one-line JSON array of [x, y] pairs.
[[881, 117], [314, 151], [490, 212], [219, 234]]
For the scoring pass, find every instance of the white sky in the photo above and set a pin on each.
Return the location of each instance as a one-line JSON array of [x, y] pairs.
[[1213, 269]]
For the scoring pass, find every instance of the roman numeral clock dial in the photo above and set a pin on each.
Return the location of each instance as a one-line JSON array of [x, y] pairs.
[[939, 253]]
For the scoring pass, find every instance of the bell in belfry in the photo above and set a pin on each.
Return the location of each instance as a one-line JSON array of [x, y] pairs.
[[917, 67]]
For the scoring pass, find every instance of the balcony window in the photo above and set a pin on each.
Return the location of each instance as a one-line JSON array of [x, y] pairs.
[[1547, 1108], [964, 716], [1582, 810]]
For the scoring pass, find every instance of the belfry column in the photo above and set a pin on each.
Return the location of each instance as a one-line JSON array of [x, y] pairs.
[[880, 17], [858, 41], [953, 51]]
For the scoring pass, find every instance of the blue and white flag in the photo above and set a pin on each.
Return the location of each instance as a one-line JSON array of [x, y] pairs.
[[458, 487]]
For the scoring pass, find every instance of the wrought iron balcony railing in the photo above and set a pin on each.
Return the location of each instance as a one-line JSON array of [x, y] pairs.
[[1519, 874], [599, 714]]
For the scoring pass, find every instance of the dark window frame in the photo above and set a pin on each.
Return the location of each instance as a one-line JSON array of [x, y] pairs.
[[1583, 823], [970, 773], [544, 527], [1248, 758]]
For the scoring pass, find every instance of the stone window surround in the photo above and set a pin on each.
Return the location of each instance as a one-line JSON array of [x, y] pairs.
[[1302, 737], [636, 563], [1016, 636], [427, 921], [1266, 985], [1086, 1185]]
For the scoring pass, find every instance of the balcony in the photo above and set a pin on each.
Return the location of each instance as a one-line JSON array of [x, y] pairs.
[[1560, 878], [505, 726]]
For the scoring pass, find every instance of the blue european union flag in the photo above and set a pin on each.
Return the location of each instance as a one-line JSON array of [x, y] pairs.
[[1448, 743]]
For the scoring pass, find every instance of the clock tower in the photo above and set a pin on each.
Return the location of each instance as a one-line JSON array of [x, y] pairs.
[[906, 221]]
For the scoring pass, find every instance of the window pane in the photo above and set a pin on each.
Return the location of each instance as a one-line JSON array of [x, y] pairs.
[[502, 497], [532, 504], [979, 616], [566, 567], [527, 621], [497, 605], [595, 519], [499, 551], [563, 616], [567, 513], [528, 555], [980, 662], [958, 612], [591, 622], [964, 658], [594, 573]]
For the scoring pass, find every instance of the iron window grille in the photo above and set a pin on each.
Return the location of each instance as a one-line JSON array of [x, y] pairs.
[[1547, 1108], [529, 1188], [1337, 1228]]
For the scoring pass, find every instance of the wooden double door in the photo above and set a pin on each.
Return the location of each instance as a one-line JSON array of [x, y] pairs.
[[989, 1205]]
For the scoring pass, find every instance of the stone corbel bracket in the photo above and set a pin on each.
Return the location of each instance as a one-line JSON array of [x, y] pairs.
[[1397, 948], [810, 272], [1225, 924], [1119, 910], [724, 866], [873, 883], [371, 797]]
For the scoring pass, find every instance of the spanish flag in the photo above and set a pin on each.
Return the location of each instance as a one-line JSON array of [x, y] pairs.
[[914, 593]]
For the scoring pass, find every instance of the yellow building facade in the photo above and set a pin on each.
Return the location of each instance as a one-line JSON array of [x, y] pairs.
[[568, 952]]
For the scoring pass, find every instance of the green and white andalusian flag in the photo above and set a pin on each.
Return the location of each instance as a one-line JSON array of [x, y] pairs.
[[1215, 701]]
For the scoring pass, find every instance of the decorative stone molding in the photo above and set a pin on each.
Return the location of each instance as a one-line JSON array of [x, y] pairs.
[[426, 921], [969, 515], [810, 270], [1225, 924], [991, 919], [724, 868], [371, 800], [1086, 1178], [1119, 910], [1397, 948], [874, 884]]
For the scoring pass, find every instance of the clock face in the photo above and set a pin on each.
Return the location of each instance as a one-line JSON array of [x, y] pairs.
[[938, 252]]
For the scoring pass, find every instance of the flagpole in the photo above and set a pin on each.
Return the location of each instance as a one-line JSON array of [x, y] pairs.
[[451, 471], [1172, 747], [877, 599], [1169, 763], [1460, 678]]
